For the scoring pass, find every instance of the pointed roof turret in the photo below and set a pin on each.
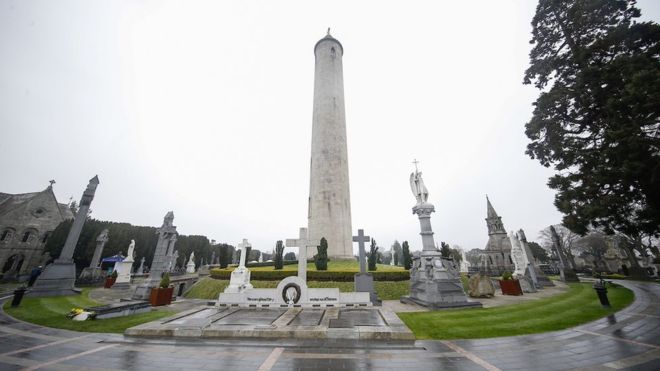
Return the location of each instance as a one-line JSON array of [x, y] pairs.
[[490, 211]]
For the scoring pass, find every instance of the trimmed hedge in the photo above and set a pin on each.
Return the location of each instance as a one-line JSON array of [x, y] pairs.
[[223, 274]]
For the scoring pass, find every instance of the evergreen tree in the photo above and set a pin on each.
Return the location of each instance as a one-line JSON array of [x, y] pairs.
[[372, 256], [321, 259], [279, 251], [407, 258], [597, 119], [290, 256], [445, 250], [396, 248]]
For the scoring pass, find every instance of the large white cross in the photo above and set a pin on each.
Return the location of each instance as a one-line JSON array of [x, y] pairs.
[[302, 243], [361, 239], [243, 246]]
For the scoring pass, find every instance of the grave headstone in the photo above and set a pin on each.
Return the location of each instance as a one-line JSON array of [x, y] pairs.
[[364, 281], [240, 277], [190, 267]]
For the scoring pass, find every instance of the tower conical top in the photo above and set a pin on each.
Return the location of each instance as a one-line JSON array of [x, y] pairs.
[[329, 37]]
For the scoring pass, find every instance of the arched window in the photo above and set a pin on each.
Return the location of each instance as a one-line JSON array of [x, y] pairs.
[[29, 235], [7, 235]]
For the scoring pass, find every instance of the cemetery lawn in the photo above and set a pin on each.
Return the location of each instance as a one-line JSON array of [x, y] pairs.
[[210, 288], [575, 307], [51, 312]]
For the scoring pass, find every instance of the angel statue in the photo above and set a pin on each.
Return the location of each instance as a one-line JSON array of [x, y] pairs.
[[418, 188], [131, 247]]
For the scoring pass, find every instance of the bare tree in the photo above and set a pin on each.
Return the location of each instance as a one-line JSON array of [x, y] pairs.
[[567, 239]]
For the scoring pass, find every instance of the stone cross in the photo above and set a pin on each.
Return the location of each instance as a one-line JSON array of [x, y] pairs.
[[243, 246], [361, 239], [66, 256], [302, 243]]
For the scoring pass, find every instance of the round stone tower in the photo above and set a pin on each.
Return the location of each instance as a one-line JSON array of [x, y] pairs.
[[329, 195]]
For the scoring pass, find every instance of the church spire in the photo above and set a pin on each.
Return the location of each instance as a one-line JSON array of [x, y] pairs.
[[493, 221], [490, 211]]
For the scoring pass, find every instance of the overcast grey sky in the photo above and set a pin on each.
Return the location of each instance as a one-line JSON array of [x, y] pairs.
[[205, 108]]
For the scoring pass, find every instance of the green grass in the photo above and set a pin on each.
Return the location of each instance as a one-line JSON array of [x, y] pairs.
[[577, 306], [51, 312], [336, 266], [209, 288]]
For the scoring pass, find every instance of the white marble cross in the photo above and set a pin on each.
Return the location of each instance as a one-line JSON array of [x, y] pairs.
[[361, 239], [302, 243], [243, 246]]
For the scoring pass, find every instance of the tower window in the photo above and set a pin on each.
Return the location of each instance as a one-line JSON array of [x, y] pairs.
[[45, 238], [26, 236], [6, 235]]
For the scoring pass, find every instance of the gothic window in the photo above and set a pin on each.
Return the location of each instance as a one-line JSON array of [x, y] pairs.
[[510, 259], [7, 235], [45, 238], [29, 236]]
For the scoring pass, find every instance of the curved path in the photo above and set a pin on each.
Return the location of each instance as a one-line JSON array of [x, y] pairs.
[[630, 339]]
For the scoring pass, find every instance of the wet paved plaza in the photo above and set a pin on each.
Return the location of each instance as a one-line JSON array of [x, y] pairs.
[[628, 340]]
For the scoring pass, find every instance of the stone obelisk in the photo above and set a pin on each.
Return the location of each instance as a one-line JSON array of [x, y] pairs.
[[329, 195], [58, 278]]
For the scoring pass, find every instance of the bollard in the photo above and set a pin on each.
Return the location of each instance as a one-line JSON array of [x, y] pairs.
[[18, 296], [601, 290]]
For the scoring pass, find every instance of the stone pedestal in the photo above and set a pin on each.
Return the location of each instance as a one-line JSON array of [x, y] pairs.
[[364, 282], [57, 279], [123, 274], [239, 281], [91, 275], [435, 286], [526, 284]]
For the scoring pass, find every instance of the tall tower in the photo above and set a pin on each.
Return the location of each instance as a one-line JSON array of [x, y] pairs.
[[329, 195]]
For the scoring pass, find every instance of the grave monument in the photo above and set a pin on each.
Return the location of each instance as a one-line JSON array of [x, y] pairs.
[[124, 268], [533, 270], [364, 281], [93, 272], [521, 264], [465, 264], [566, 273], [240, 277], [166, 240], [291, 291], [190, 267], [59, 277], [434, 282]]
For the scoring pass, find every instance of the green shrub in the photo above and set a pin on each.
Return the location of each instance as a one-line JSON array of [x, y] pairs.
[[321, 260], [372, 255], [114, 274], [279, 251], [165, 281], [223, 274], [407, 257], [506, 275]]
